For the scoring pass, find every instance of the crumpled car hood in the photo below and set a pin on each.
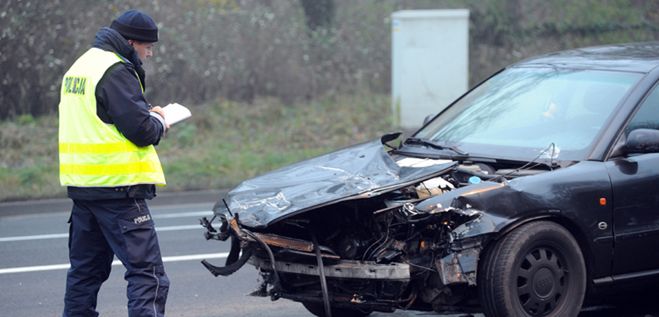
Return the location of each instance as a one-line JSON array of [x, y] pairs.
[[360, 171]]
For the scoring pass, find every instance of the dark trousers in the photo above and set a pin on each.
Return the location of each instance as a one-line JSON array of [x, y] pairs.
[[101, 229]]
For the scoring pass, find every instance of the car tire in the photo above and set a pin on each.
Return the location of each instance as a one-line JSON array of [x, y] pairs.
[[318, 309], [535, 270]]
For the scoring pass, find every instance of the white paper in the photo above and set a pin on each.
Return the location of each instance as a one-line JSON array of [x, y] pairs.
[[175, 112]]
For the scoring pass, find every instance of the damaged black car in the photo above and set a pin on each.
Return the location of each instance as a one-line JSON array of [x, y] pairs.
[[533, 189]]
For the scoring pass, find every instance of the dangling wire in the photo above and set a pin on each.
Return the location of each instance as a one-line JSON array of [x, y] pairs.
[[323, 280], [551, 146]]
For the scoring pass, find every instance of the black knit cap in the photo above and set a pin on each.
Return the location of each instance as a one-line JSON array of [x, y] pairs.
[[136, 25]]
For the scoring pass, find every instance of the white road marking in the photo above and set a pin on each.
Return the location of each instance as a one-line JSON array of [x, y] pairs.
[[66, 235], [178, 228], [35, 237], [178, 258], [183, 214]]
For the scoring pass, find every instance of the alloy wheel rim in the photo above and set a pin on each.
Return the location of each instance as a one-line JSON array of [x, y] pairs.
[[541, 281]]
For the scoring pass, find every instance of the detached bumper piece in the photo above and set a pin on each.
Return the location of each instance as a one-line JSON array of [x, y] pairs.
[[233, 263]]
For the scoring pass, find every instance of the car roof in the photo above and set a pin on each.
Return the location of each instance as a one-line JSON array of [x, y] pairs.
[[634, 57]]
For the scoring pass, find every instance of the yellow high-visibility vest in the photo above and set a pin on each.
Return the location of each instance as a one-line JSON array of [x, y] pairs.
[[93, 153]]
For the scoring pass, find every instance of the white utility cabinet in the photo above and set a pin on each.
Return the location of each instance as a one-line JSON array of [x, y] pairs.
[[430, 62]]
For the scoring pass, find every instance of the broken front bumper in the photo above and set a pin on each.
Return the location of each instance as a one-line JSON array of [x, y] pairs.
[[343, 269], [247, 243], [457, 267]]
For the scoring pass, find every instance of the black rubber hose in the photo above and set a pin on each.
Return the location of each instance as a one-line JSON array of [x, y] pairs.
[[229, 268], [323, 281], [277, 281], [235, 251]]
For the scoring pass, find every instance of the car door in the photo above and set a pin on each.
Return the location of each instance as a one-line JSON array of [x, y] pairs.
[[635, 182]]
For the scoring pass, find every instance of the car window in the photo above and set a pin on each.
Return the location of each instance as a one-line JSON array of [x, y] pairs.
[[523, 111], [647, 116]]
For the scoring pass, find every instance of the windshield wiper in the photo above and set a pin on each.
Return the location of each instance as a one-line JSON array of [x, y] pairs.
[[434, 145]]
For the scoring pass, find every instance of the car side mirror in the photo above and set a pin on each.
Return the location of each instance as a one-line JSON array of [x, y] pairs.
[[642, 141]]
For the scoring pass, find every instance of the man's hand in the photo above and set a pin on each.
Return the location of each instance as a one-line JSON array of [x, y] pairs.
[[158, 110]]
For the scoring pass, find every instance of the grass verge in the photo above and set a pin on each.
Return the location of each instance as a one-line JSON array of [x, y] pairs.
[[222, 144]]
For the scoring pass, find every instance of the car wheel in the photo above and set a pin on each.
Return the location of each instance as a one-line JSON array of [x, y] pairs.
[[318, 309], [535, 270]]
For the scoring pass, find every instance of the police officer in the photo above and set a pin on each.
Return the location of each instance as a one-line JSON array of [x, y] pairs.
[[107, 133]]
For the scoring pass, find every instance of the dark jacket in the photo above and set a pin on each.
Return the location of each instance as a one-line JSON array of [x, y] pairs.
[[120, 102]]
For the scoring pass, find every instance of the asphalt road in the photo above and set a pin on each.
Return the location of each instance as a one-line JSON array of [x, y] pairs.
[[33, 261]]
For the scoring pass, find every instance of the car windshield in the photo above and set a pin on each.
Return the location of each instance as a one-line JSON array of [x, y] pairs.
[[528, 112]]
